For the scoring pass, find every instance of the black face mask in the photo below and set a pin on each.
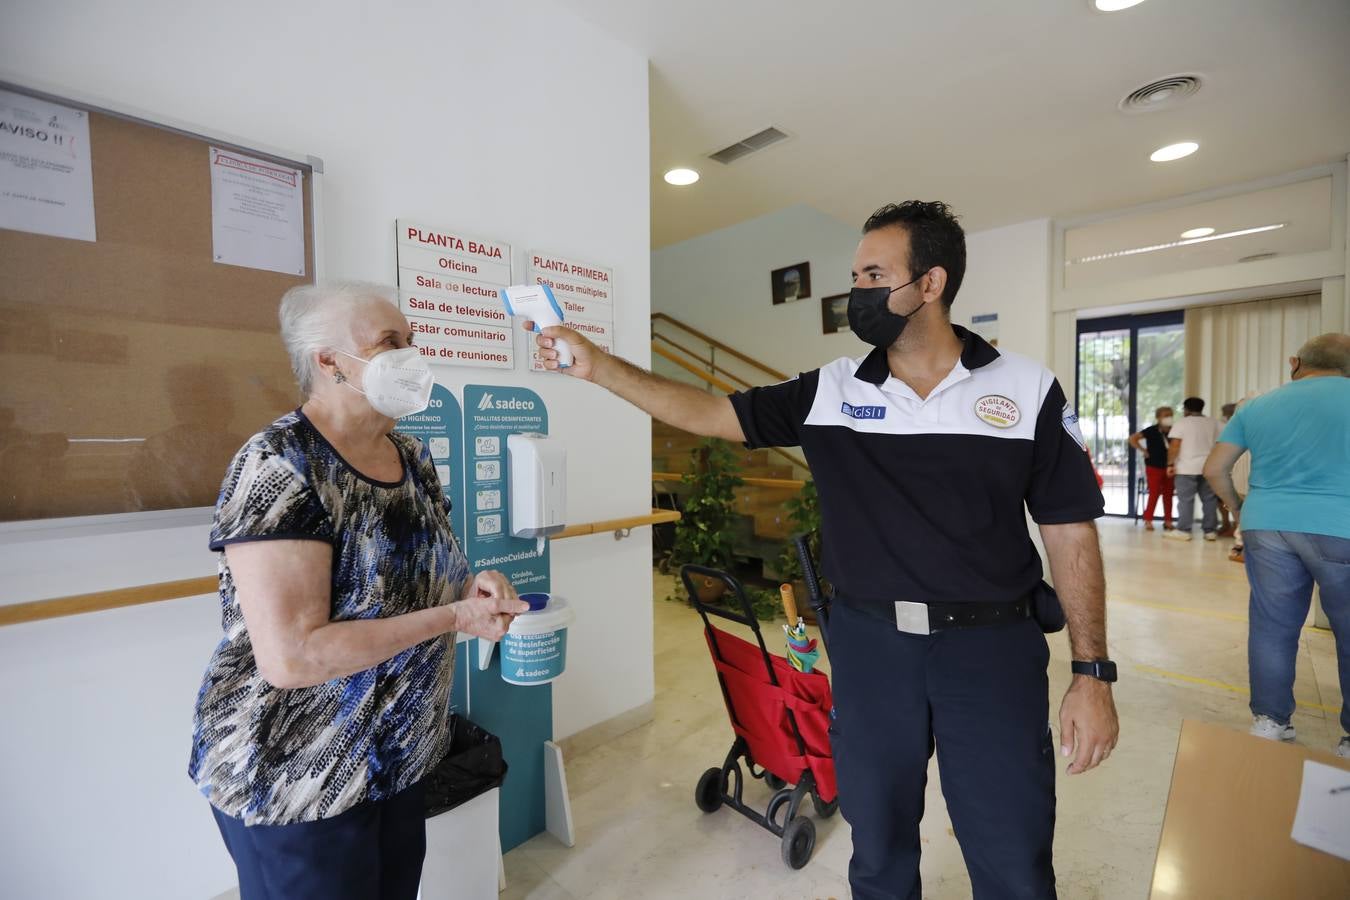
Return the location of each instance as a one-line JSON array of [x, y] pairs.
[[870, 318]]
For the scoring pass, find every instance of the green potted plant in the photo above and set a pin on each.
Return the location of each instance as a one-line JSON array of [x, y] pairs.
[[708, 514]]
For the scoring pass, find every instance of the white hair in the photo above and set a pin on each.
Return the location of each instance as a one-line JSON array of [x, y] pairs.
[[313, 317]]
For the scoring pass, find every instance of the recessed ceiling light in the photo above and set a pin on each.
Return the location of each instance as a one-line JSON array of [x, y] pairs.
[[1174, 151], [1116, 254], [1197, 232], [681, 177], [1115, 5]]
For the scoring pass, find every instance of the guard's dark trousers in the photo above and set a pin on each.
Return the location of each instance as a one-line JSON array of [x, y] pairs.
[[981, 696]]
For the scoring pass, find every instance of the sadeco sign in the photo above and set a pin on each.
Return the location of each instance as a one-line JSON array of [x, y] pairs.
[[521, 716], [440, 428]]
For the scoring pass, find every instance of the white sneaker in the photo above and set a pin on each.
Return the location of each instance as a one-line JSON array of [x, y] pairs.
[[1211, 536], [1343, 748], [1268, 728], [1175, 535]]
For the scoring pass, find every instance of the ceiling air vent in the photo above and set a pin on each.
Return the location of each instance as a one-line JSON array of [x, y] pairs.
[[1162, 94], [746, 146], [1257, 257]]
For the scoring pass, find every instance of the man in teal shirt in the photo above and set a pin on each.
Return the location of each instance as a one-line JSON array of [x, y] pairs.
[[1295, 522]]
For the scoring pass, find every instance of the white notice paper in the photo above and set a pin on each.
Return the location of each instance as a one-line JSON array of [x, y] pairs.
[[257, 213], [46, 182], [1323, 818]]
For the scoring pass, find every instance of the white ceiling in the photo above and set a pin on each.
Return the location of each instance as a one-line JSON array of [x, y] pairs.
[[1303, 208], [1007, 110]]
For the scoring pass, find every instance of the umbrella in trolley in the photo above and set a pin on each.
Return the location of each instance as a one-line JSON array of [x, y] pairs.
[[802, 652]]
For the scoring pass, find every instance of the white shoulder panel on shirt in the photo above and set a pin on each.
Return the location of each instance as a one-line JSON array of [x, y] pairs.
[[1000, 400]]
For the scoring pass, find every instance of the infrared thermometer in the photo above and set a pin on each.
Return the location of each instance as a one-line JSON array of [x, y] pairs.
[[536, 301]]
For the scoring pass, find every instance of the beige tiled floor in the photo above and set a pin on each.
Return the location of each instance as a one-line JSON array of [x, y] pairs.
[[1177, 629]]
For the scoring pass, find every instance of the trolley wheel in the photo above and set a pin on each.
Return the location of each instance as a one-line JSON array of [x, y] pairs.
[[708, 794], [824, 810], [774, 781], [799, 840]]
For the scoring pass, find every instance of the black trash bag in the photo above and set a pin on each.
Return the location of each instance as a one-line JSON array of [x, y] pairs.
[[472, 766]]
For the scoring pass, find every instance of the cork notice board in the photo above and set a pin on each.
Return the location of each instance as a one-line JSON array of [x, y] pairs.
[[133, 367]]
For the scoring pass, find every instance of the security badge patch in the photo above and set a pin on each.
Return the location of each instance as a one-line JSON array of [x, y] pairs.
[[998, 411], [1069, 418]]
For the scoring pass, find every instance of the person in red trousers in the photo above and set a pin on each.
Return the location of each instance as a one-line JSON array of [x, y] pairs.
[[1152, 442]]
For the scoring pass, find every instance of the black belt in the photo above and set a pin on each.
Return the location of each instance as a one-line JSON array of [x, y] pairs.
[[930, 618]]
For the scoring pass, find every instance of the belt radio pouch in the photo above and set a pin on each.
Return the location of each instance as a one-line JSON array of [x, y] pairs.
[[1046, 608]]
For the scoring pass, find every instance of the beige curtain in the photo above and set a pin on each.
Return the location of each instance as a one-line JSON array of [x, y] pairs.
[[1243, 349]]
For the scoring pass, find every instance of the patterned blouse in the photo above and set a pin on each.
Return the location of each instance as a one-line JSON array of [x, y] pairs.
[[273, 756]]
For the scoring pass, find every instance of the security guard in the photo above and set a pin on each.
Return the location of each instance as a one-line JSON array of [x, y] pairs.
[[925, 453]]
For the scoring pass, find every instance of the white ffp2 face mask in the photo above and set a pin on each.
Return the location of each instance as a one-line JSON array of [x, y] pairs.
[[396, 383]]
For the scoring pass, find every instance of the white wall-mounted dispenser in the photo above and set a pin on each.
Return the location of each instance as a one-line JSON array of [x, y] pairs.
[[537, 473]]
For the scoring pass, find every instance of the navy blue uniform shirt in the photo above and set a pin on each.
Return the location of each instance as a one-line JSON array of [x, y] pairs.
[[923, 499]]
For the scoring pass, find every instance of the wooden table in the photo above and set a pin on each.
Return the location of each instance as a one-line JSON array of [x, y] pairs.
[[1230, 812]]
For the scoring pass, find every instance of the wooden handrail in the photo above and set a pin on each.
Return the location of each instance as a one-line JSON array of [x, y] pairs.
[[693, 369], [707, 362], [656, 517], [98, 601], [712, 341], [753, 482]]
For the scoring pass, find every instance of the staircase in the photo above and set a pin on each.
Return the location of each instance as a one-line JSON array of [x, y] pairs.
[[772, 475]]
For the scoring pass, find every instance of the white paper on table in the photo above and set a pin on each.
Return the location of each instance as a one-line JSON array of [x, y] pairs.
[[257, 213], [1323, 818], [46, 180]]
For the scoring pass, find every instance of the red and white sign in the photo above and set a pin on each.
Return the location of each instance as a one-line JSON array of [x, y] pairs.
[[485, 292], [570, 269], [590, 295], [445, 264], [584, 291], [432, 305], [467, 355], [448, 282], [443, 331], [575, 309]]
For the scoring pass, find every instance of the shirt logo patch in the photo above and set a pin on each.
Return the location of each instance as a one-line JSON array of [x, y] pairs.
[[998, 411], [863, 412], [1070, 420]]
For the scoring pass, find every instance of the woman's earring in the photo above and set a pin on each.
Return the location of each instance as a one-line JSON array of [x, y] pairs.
[[339, 377]]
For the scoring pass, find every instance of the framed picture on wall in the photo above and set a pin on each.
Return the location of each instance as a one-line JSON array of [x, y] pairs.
[[834, 313], [791, 283]]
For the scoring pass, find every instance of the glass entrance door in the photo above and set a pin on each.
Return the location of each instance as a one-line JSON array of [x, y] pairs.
[[1127, 366]]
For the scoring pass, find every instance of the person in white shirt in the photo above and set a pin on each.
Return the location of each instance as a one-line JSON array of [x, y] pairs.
[[1189, 443]]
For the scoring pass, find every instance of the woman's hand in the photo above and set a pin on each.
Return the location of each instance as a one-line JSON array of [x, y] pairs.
[[487, 606]]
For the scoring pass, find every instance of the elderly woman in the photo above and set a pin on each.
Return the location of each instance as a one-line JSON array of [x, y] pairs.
[[341, 587]]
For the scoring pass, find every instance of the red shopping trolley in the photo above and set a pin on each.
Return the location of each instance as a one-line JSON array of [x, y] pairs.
[[781, 718]]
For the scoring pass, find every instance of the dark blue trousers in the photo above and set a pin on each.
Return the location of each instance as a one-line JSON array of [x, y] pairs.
[[373, 851], [980, 695]]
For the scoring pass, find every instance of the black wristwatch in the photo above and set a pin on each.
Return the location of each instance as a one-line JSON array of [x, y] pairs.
[[1100, 669]]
